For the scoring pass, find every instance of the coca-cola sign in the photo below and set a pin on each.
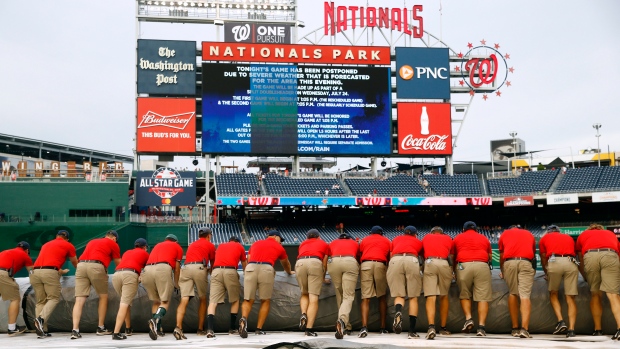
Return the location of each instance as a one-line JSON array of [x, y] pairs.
[[166, 125], [424, 128]]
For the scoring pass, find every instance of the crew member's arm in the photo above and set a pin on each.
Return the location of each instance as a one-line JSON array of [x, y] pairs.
[[117, 261], [325, 280], [501, 264], [73, 261], [177, 273], [287, 266], [581, 269], [544, 260], [244, 264]]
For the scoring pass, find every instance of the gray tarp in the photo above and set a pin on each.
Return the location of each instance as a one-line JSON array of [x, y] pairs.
[[285, 312]]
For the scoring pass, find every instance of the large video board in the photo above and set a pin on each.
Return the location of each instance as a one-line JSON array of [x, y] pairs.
[[269, 109]]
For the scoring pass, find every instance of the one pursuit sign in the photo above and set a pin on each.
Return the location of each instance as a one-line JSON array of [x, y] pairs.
[[259, 33], [167, 67], [166, 187]]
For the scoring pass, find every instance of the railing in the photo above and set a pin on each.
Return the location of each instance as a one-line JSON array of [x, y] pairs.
[[503, 174], [67, 176], [165, 219], [58, 219]]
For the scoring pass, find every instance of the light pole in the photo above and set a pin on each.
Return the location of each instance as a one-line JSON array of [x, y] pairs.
[[598, 142], [513, 134]]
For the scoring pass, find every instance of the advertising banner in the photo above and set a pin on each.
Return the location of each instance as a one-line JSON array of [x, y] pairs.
[[424, 128], [261, 33], [289, 109], [609, 196], [512, 201], [422, 73], [167, 67], [282, 53], [561, 199], [573, 231], [165, 187], [166, 125]]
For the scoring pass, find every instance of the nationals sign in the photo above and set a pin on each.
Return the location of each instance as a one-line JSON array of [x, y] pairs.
[[166, 125], [424, 128]]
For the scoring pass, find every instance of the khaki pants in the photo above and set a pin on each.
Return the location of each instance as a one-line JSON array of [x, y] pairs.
[[46, 285], [9, 290], [126, 285], [224, 281], [193, 275], [403, 277], [344, 272]]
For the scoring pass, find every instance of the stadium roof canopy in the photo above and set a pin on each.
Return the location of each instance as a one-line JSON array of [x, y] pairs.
[[32, 148]]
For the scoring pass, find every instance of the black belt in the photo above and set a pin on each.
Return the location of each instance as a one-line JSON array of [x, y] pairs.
[[7, 270], [518, 259], [158, 263], [91, 261], [224, 267], [194, 263], [306, 257], [433, 257], [601, 250], [127, 269], [372, 260], [562, 255], [261, 263], [46, 267], [404, 255], [472, 262]]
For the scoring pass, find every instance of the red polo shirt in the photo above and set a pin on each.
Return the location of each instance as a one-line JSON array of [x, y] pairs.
[[201, 250], [313, 247], [15, 258], [470, 246], [134, 259], [406, 244], [166, 251], [267, 250], [344, 247], [375, 247], [517, 242], [437, 245], [55, 253], [103, 250], [592, 239], [229, 254], [556, 243]]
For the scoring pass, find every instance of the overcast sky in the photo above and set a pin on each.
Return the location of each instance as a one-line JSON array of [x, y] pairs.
[[67, 70]]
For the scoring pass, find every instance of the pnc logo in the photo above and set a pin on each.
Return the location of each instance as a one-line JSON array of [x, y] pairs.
[[406, 72]]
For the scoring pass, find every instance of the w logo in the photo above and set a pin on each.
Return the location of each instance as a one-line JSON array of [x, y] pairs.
[[241, 32]]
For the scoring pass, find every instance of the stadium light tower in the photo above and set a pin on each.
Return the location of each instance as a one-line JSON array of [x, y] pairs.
[[513, 134], [598, 142]]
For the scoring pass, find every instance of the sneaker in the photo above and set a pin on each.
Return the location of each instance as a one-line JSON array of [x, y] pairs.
[[201, 333], [598, 333], [153, 329], [260, 332], [468, 325], [340, 328], [311, 333], [524, 333], [178, 333], [128, 331], [431, 333], [18, 330], [347, 332], [560, 327], [363, 333], [383, 331], [38, 326], [444, 332], [243, 328], [118, 336], [160, 333], [75, 334], [210, 334], [482, 332], [515, 332], [103, 331], [233, 331], [413, 335], [303, 321], [397, 326], [616, 336], [570, 333]]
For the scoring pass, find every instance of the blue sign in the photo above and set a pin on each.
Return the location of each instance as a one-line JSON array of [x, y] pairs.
[[165, 187], [422, 73], [167, 68]]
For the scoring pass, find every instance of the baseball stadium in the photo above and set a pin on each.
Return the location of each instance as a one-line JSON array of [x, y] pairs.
[[390, 94]]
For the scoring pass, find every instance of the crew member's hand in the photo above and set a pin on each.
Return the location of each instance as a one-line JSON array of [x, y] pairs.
[[63, 271], [327, 281], [501, 275], [545, 277], [292, 272]]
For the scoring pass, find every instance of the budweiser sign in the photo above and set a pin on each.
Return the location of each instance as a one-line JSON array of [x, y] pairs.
[[178, 121], [512, 201], [424, 128]]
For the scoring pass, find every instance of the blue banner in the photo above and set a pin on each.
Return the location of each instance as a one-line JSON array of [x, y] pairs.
[[422, 73], [167, 67], [165, 187]]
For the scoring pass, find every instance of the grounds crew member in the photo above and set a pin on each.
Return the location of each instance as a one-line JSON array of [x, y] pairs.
[[600, 267], [92, 270], [403, 277], [438, 276], [557, 254], [375, 250], [125, 282], [200, 255], [11, 262], [310, 271], [472, 252], [517, 258], [160, 278], [45, 277], [225, 281], [260, 275], [344, 270]]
